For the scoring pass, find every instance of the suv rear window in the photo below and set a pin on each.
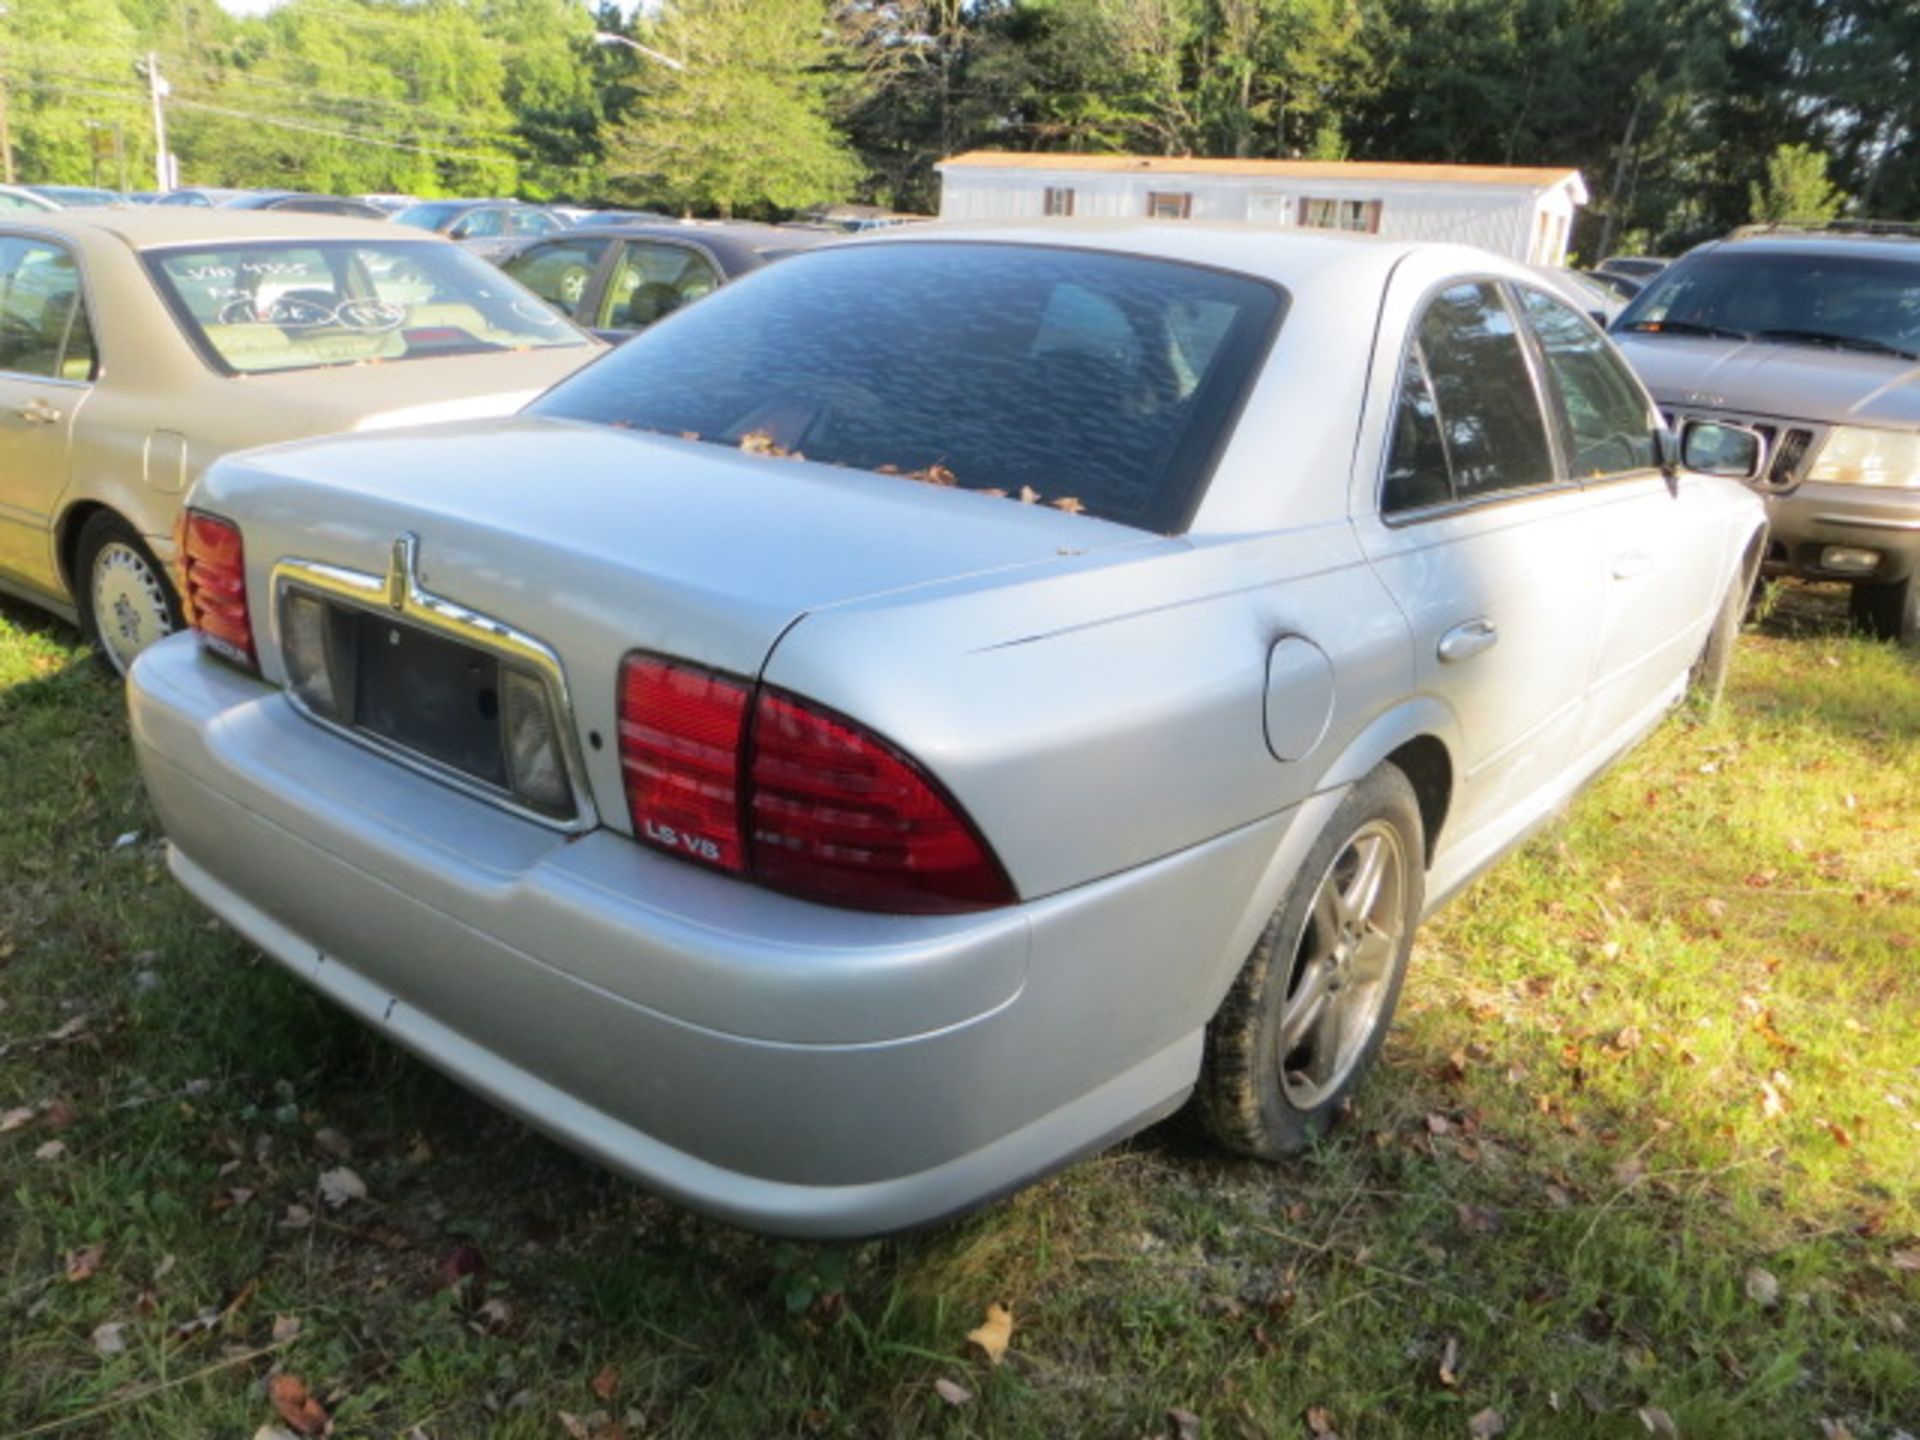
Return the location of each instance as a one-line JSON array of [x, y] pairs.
[[1098, 382], [1813, 297]]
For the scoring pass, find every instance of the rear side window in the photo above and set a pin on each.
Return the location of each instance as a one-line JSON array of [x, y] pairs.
[[43, 319], [1608, 426], [1094, 381], [558, 271], [1482, 400]]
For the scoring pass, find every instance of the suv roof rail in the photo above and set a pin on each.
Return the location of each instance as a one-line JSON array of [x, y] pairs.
[[1895, 228]]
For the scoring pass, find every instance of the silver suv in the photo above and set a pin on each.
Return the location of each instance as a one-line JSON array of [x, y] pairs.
[[1811, 336]]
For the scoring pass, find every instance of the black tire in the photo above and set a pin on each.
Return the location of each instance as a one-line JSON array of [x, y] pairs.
[[112, 562], [1888, 612], [1707, 680], [1249, 1095]]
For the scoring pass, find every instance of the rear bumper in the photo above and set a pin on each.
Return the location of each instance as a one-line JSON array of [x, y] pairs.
[[780, 1065], [1816, 516]]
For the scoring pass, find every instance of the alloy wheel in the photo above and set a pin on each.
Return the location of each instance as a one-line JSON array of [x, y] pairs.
[[1342, 970], [130, 606]]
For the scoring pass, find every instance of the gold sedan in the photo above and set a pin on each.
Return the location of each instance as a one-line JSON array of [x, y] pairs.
[[138, 345]]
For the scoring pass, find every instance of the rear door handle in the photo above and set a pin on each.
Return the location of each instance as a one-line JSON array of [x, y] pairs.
[[38, 412], [1468, 639], [1629, 563]]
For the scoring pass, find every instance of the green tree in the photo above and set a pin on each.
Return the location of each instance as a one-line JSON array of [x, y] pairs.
[[68, 68], [743, 123], [1797, 187]]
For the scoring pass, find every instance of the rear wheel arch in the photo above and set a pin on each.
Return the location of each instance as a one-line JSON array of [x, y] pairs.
[[1428, 766], [1419, 738], [67, 541]]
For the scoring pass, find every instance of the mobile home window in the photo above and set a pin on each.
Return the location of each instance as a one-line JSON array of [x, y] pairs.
[[1360, 215], [1169, 205], [1059, 200]]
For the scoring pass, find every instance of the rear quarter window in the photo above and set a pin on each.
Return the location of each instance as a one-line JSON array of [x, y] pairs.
[[1094, 381]]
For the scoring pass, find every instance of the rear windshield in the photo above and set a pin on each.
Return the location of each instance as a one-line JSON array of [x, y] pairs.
[[296, 306], [1852, 302], [1096, 382]]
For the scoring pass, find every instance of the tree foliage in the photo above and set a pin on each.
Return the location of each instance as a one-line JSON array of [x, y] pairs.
[[1796, 188], [744, 120]]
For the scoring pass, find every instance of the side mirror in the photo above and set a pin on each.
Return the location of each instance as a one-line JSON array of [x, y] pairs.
[[1712, 447]]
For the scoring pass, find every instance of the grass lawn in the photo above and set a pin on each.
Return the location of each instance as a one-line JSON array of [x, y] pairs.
[[1644, 1157]]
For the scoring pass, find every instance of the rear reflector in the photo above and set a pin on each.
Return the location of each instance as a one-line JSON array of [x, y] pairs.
[[802, 800], [213, 586], [842, 817], [680, 751]]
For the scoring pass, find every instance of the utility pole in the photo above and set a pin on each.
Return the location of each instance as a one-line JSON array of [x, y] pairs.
[[156, 91], [6, 130]]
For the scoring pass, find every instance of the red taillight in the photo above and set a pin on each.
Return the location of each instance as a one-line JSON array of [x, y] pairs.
[[213, 585], [840, 816], [680, 748], [832, 812]]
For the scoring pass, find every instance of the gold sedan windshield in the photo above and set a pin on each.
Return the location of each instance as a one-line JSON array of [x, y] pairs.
[[278, 305]]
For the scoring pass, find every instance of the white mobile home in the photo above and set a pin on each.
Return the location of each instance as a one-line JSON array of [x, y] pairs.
[[1521, 211]]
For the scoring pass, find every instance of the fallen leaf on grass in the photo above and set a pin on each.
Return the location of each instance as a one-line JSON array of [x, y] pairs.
[[463, 1262], [341, 1186], [15, 1118], [573, 1424], [1772, 1103], [110, 1338], [1186, 1424], [953, 1393], [297, 1407], [1658, 1422], [1906, 1259], [1488, 1423], [1449, 1364], [70, 1030], [298, 1217], [333, 1142], [1834, 1430], [1320, 1421], [494, 1315], [994, 1333], [606, 1382], [1478, 1219], [273, 1432], [52, 1150], [1762, 1288], [82, 1264], [285, 1327]]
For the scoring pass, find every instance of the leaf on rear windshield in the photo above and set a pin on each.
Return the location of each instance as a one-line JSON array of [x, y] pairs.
[[1070, 505], [759, 442]]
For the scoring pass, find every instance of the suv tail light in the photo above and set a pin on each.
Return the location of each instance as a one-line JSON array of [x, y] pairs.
[[760, 783], [213, 585]]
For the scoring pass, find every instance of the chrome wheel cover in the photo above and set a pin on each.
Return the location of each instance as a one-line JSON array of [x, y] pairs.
[[1343, 969], [129, 603]]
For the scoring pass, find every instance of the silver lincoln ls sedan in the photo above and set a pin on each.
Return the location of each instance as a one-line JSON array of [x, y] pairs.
[[941, 702]]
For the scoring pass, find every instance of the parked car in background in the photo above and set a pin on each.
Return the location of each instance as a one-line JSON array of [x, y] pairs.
[[1161, 621], [618, 279], [486, 227], [624, 217], [19, 197], [1623, 287], [1598, 300], [1634, 267], [301, 203], [202, 197], [138, 344], [74, 196], [1813, 337]]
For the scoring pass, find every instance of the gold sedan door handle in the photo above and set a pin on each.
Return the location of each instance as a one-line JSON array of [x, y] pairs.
[[38, 412]]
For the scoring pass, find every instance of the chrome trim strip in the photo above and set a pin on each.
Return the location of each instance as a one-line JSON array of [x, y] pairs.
[[399, 593], [1867, 522]]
